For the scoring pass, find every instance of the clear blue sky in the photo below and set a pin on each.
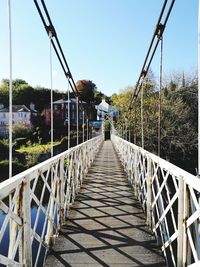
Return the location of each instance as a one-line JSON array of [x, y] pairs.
[[103, 40]]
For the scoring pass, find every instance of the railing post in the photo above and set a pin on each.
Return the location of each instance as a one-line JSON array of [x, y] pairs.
[[129, 157], [136, 173], [13, 227], [132, 168], [75, 164], [61, 194], [49, 234], [149, 192], [26, 209], [181, 240]]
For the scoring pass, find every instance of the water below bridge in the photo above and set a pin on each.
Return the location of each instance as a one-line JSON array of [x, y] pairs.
[[106, 225]]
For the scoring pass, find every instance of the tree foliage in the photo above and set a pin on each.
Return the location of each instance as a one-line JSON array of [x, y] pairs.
[[24, 94], [178, 120], [86, 89]]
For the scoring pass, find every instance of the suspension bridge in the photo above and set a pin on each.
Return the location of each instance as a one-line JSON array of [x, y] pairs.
[[102, 202]]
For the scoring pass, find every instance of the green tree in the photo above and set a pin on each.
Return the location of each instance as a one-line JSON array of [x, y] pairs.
[[178, 120]]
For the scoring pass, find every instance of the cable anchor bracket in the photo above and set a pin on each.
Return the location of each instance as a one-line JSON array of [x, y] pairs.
[[159, 30], [50, 31]]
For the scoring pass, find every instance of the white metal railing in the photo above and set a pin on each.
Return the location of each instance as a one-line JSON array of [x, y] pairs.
[[35, 203], [170, 199]]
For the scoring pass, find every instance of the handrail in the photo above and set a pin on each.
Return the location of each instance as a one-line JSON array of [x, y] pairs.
[[35, 203], [170, 199]]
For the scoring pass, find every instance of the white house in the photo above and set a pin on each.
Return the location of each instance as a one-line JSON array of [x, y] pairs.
[[20, 115], [104, 108]]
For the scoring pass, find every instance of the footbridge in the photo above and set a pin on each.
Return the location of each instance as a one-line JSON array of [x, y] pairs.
[[101, 203]]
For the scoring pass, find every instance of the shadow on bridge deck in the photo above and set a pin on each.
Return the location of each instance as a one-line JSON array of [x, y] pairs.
[[106, 225]]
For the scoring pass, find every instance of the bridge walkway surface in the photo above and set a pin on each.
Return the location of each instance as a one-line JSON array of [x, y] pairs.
[[106, 225]]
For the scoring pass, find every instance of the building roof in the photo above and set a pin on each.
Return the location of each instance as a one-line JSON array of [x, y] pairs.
[[103, 106], [16, 108], [65, 101]]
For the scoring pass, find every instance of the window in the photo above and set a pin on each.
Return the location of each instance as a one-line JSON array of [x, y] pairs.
[[22, 115]]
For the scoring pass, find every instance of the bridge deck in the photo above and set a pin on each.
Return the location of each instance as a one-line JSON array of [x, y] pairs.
[[106, 225]]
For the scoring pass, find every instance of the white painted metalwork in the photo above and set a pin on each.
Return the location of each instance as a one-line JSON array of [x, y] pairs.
[[142, 115], [40, 200], [77, 120], [68, 117], [83, 126], [160, 97], [10, 90], [51, 86], [199, 91], [169, 197], [87, 129]]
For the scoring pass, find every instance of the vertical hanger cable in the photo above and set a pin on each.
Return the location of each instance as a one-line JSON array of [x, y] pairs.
[[77, 120], [160, 98], [51, 84], [83, 127], [10, 91], [142, 116], [68, 117]]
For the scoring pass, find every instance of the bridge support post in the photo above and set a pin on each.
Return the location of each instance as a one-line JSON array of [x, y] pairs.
[[26, 211], [61, 195], [49, 238], [149, 192], [136, 172], [181, 240]]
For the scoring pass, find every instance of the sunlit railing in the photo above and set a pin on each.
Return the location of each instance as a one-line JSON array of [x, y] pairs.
[[35, 203], [170, 199]]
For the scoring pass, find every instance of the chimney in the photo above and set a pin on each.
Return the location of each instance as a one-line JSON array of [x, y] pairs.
[[32, 106]]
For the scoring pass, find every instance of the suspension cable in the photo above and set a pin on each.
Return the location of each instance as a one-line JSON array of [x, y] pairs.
[[160, 97], [68, 117], [48, 25], [77, 120], [142, 116], [51, 84], [10, 90], [159, 30]]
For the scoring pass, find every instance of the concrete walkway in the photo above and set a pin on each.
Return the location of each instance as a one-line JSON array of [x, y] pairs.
[[106, 225]]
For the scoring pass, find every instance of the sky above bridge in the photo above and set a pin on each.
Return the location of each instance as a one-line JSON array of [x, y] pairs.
[[103, 40]]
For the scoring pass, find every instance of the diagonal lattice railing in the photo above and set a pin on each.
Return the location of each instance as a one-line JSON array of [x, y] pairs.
[[170, 199], [35, 203]]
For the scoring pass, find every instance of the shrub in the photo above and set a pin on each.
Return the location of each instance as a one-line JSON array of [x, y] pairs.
[[21, 130], [32, 159], [4, 149], [64, 142], [4, 168], [18, 142]]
